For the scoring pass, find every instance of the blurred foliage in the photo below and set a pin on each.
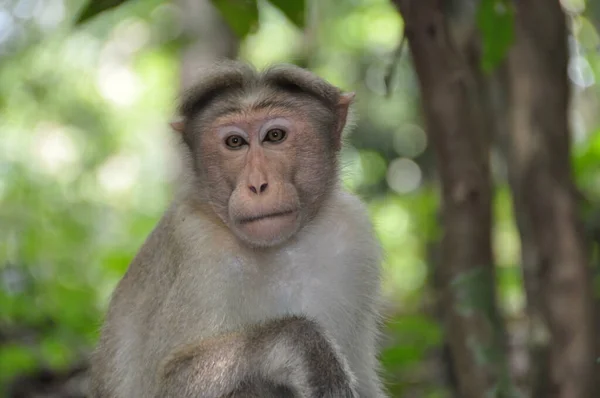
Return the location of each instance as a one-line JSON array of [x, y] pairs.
[[94, 8], [495, 20], [242, 15], [86, 160]]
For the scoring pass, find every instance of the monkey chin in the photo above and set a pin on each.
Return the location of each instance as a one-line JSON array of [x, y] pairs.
[[268, 230]]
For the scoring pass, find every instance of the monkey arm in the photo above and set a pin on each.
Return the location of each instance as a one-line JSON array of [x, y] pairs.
[[291, 352]]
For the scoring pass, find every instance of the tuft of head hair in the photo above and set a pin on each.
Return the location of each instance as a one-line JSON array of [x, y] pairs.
[[222, 77], [239, 81]]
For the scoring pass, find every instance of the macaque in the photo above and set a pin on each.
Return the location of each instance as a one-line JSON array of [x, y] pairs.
[[262, 277]]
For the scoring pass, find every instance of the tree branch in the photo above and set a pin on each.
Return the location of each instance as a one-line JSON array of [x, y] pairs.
[[554, 252], [447, 66]]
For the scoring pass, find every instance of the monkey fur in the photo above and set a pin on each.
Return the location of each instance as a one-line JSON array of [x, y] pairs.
[[262, 277]]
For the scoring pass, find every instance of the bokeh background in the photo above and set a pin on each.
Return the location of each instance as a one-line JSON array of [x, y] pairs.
[[87, 165]]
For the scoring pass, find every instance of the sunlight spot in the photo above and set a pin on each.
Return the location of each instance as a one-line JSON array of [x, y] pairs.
[[573, 6], [382, 25], [403, 175], [406, 274], [410, 141], [391, 221], [131, 35], [55, 148], [581, 72], [118, 84], [118, 173]]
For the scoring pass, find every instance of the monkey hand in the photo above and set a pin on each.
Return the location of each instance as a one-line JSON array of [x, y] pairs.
[[292, 352], [298, 354]]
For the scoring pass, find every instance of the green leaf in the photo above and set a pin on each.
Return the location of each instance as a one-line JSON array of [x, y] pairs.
[[95, 7], [412, 336], [495, 20], [418, 330], [15, 359], [56, 353], [592, 12], [241, 15], [400, 355], [294, 10]]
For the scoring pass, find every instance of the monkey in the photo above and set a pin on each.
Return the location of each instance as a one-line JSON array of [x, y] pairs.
[[262, 278]]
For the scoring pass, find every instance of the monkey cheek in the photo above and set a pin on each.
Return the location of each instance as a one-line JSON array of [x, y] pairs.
[[270, 231]]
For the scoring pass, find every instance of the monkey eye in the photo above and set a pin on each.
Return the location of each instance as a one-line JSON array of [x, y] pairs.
[[235, 141], [275, 135]]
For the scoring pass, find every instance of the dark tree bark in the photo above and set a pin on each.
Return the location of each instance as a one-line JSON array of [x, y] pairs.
[[554, 253], [519, 352], [446, 64]]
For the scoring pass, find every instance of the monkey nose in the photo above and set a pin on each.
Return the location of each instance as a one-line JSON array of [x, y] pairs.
[[262, 188]]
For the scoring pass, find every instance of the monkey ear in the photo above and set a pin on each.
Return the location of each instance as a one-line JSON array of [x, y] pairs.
[[177, 125], [343, 107]]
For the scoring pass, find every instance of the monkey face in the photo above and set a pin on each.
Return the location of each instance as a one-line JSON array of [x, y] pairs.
[[264, 147], [267, 171]]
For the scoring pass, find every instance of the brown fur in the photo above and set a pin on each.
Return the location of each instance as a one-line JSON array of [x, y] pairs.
[[261, 280]]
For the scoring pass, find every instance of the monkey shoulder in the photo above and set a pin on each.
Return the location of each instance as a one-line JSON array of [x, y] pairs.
[[182, 233], [154, 269]]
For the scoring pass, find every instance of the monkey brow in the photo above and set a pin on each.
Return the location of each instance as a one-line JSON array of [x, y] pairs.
[[264, 103], [203, 97]]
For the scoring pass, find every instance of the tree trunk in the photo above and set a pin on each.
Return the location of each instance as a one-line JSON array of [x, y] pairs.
[[450, 80], [554, 253]]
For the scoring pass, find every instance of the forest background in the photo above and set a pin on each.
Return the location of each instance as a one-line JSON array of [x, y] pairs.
[[476, 149]]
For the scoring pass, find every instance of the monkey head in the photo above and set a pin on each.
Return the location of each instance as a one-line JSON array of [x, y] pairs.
[[264, 147]]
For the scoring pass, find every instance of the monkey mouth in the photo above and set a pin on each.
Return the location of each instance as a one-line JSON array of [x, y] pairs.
[[248, 220]]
